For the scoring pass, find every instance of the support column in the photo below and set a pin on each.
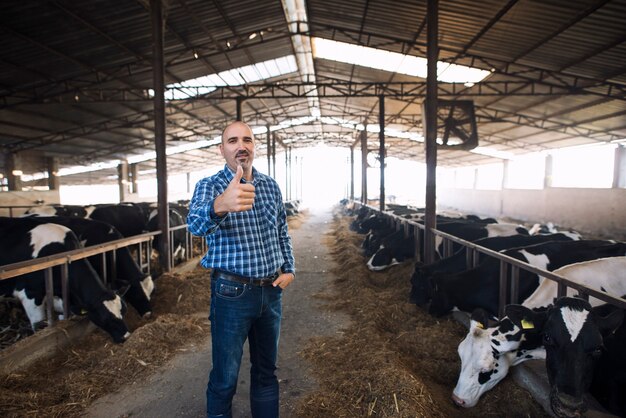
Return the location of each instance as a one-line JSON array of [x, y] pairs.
[[364, 166], [189, 185], [53, 171], [352, 173], [381, 149], [134, 178], [159, 131], [547, 177], [619, 173], [269, 151], [432, 49], [122, 179], [14, 174], [289, 176], [505, 174], [274, 155], [239, 101]]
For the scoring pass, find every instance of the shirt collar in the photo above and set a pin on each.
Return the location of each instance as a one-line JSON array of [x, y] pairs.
[[229, 174]]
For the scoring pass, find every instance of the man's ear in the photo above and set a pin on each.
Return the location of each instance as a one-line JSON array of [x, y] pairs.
[[222, 148]]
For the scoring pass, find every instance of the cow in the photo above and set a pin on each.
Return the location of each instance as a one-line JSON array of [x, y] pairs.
[[129, 220], [394, 249], [58, 210], [24, 239], [127, 273], [605, 274], [479, 287], [487, 352], [178, 237], [421, 287], [471, 231], [573, 336]]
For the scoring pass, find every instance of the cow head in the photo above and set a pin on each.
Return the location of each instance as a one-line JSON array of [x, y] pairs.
[[440, 304], [421, 287], [382, 259], [573, 337], [486, 355], [109, 315]]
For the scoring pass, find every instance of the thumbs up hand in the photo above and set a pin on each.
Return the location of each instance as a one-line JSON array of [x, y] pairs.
[[237, 197]]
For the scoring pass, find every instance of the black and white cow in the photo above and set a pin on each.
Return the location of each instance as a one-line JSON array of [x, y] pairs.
[[393, 249], [25, 239], [421, 287], [58, 210], [472, 231], [127, 273], [179, 236], [487, 352], [129, 220], [480, 287], [573, 336]]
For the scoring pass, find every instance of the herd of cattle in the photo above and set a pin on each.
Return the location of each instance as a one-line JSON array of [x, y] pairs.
[[583, 342], [46, 230]]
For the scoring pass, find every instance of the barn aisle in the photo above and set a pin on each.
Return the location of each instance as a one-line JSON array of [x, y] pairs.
[[178, 390]]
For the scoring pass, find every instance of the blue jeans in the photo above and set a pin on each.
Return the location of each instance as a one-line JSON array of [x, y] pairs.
[[240, 311]]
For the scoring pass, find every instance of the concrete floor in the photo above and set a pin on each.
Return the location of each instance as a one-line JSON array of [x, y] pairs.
[[178, 390]]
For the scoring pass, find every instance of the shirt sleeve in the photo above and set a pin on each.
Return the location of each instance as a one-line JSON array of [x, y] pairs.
[[202, 220], [284, 239]]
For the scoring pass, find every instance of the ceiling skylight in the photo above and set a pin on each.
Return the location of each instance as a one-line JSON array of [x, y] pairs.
[[394, 62], [234, 77]]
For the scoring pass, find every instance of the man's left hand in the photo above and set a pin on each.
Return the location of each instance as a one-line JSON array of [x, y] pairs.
[[284, 280]]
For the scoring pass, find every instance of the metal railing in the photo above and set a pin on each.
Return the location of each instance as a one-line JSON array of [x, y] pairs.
[[62, 261], [506, 262]]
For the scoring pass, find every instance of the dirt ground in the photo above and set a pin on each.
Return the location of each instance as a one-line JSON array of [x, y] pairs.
[[388, 358]]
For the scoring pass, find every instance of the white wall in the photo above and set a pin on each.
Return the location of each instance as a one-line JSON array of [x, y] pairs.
[[591, 211], [28, 198]]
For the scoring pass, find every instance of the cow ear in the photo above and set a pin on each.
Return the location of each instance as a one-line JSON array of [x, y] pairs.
[[480, 317], [609, 324], [524, 318]]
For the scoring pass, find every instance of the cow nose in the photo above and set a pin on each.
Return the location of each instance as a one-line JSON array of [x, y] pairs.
[[147, 315], [457, 401]]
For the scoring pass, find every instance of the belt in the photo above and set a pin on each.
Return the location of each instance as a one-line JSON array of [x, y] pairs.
[[265, 281]]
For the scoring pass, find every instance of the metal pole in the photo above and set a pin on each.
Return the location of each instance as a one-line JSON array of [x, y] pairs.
[[364, 166], [269, 151], [381, 150], [239, 99], [352, 173], [430, 220], [274, 155], [159, 131]]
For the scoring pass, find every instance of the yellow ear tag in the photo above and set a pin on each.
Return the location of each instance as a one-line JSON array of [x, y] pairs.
[[479, 325], [527, 324]]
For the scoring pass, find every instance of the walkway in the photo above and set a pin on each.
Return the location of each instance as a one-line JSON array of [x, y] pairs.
[[179, 389]]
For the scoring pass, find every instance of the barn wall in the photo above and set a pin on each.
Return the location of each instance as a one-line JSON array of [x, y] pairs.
[[591, 211], [28, 198]]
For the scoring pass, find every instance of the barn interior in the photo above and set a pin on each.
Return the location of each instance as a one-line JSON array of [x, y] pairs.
[[80, 86]]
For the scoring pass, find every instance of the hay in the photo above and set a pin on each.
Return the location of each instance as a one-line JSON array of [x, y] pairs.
[[394, 359], [66, 384], [296, 221]]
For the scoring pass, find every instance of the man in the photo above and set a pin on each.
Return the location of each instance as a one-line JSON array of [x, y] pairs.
[[241, 213]]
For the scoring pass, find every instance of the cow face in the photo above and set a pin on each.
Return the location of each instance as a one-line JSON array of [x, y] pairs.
[[421, 288], [109, 316], [573, 337], [486, 356]]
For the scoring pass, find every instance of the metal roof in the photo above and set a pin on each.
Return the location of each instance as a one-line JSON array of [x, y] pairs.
[[74, 76]]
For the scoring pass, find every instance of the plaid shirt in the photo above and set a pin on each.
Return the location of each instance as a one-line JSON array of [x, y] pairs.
[[253, 243]]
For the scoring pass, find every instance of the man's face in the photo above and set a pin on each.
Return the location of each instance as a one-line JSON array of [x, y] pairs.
[[237, 146]]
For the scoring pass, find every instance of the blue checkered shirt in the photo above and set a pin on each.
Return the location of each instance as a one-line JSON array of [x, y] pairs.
[[253, 243]]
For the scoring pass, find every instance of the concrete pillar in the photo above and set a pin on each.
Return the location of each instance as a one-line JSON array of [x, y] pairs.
[[122, 179], [351, 173], [189, 185], [547, 179], [269, 151], [505, 174], [14, 173], [53, 170], [619, 173], [134, 178]]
